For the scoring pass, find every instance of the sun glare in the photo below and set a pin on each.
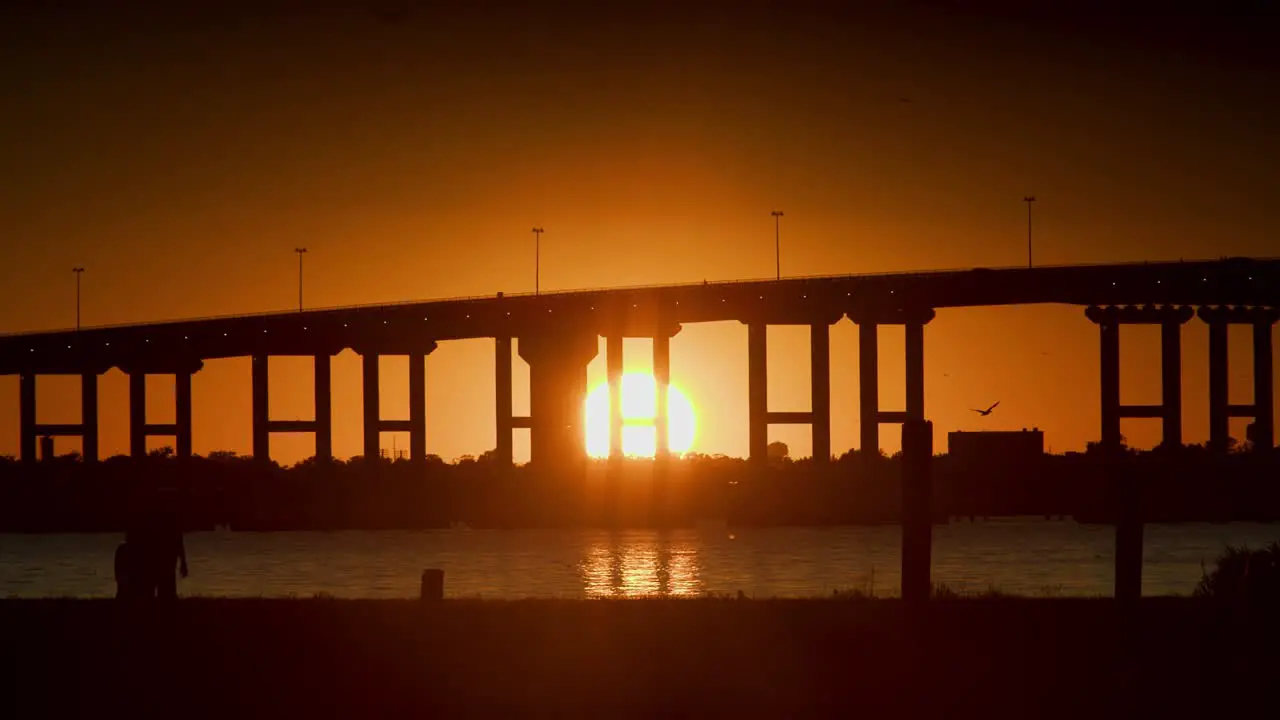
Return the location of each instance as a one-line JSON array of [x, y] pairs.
[[639, 406]]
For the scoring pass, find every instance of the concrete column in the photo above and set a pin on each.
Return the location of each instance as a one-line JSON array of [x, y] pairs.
[[915, 370], [89, 417], [502, 398], [917, 512], [261, 410], [1109, 336], [182, 415], [869, 389], [324, 407], [1263, 396], [820, 389], [372, 407], [757, 392], [1171, 382], [613, 358], [662, 379], [138, 414], [557, 393], [417, 407], [1219, 424], [27, 417]]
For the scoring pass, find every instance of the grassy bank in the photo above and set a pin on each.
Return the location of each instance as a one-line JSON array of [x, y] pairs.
[[711, 657]]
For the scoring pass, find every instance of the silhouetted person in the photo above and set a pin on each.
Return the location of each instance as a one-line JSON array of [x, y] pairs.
[[152, 550], [165, 551]]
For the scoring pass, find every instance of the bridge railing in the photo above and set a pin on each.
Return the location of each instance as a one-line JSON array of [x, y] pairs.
[[627, 288]]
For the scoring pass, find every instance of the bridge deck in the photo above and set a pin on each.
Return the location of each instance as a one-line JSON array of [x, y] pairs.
[[638, 311]]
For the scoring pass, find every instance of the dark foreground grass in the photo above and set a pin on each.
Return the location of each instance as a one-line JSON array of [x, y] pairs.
[[669, 658]]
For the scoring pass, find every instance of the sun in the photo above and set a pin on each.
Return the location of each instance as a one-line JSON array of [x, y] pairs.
[[639, 406]]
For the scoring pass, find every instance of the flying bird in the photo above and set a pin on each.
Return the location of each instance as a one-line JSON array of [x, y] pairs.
[[987, 412]]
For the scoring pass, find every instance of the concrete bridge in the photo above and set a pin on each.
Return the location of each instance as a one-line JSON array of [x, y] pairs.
[[557, 334]]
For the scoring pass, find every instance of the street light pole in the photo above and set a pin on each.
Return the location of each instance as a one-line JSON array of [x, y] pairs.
[[777, 240], [78, 272], [301, 252], [537, 258], [1028, 200]]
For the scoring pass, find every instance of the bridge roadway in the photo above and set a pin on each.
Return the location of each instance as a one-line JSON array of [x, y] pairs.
[[557, 334]]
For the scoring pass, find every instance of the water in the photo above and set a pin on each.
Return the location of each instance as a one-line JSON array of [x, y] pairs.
[[1028, 557]]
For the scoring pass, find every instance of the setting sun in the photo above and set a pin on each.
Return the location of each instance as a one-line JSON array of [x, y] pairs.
[[639, 406]]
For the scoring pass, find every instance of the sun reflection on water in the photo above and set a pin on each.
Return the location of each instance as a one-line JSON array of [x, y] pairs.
[[632, 566]]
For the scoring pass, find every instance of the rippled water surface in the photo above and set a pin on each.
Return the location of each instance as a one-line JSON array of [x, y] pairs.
[[1020, 556]]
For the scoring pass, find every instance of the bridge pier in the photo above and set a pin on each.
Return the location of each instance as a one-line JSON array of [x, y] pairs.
[[416, 425], [1220, 408], [1170, 319], [502, 399], [662, 382], [557, 393], [30, 432], [613, 358], [871, 416], [757, 393], [321, 426], [1126, 484], [140, 429], [27, 417], [818, 417]]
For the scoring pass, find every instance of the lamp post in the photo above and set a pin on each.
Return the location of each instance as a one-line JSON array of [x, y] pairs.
[[777, 240], [301, 252], [1028, 200], [537, 258], [78, 272]]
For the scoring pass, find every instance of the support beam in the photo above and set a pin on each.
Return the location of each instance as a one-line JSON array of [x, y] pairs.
[[182, 414], [1219, 423], [1109, 336], [372, 387], [89, 417], [1171, 382], [1155, 412], [757, 391], [869, 390], [820, 389], [292, 426], [613, 360], [138, 414], [662, 379], [1263, 396], [502, 398], [261, 410], [417, 407], [324, 407], [27, 417], [59, 430], [917, 512], [915, 370], [801, 417]]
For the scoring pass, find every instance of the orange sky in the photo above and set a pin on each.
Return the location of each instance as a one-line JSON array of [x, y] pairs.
[[180, 158]]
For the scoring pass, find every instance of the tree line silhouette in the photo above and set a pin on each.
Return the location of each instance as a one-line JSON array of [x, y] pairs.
[[225, 489]]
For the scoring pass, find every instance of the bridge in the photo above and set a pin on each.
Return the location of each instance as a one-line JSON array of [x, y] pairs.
[[557, 335]]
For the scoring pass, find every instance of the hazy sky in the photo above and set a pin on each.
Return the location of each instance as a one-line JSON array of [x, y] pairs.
[[180, 156]]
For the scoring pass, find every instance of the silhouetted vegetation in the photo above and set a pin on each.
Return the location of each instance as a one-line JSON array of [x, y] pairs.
[[1180, 484], [1244, 577]]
